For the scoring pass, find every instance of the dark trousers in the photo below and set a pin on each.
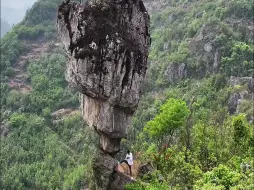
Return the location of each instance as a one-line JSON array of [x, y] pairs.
[[125, 161]]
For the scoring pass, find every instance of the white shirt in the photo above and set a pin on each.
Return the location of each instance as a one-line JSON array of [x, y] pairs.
[[129, 159]]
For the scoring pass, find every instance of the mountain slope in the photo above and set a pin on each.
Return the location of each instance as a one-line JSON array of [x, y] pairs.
[[202, 53], [44, 141]]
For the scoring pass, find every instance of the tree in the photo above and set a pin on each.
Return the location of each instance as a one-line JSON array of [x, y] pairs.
[[241, 133], [172, 117], [240, 128], [220, 176]]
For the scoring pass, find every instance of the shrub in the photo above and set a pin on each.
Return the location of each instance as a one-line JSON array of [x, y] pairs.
[[147, 186], [221, 177]]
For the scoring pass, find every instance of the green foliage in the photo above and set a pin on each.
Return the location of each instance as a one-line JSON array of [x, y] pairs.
[[42, 11], [75, 179], [172, 116], [178, 173], [4, 88], [49, 85], [219, 81], [205, 146], [240, 61], [184, 175], [241, 131], [11, 48], [209, 186], [150, 186], [31, 33], [35, 156], [15, 100], [211, 135], [241, 9], [37, 150], [246, 107], [239, 88], [175, 26], [220, 176], [18, 120]]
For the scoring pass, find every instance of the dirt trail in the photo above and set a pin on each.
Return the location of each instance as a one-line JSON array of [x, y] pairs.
[[19, 80]]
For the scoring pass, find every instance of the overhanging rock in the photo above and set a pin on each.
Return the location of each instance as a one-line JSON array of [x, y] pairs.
[[107, 43]]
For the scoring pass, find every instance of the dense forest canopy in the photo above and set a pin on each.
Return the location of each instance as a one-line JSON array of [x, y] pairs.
[[194, 122]]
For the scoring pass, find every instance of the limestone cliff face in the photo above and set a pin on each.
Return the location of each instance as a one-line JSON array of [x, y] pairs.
[[242, 96], [175, 72], [107, 44]]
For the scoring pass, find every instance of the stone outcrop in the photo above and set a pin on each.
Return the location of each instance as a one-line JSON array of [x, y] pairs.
[[203, 47], [233, 103], [119, 180], [4, 124], [175, 72], [103, 166], [153, 6], [251, 84], [107, 44], [233, 81], [243, 88], [206, 46]]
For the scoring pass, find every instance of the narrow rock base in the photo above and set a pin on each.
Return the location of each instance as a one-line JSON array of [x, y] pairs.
[[103, 167]]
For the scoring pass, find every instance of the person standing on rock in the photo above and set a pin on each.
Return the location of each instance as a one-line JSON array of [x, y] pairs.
[[128, 160]]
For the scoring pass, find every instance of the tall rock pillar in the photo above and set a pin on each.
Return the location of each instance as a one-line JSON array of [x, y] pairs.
[[107, 44]]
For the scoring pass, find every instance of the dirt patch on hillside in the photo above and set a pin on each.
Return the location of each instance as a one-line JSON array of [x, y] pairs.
[[19, 81]]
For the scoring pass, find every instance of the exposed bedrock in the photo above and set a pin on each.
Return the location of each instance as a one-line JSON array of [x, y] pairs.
[[107, 43]]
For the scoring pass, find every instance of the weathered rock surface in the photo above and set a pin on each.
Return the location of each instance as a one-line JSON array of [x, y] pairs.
[[4, 128], [153, 6], [119, 180], [242, 95], [234, 101], [206, 46], [176, 72], [107, 44], [233, 81], [103, 166], [121, 175], [251, 85], [203, 47]]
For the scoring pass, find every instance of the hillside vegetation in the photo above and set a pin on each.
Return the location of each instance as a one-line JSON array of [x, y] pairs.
[[202, 54], [44, 141], [194, 122]]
